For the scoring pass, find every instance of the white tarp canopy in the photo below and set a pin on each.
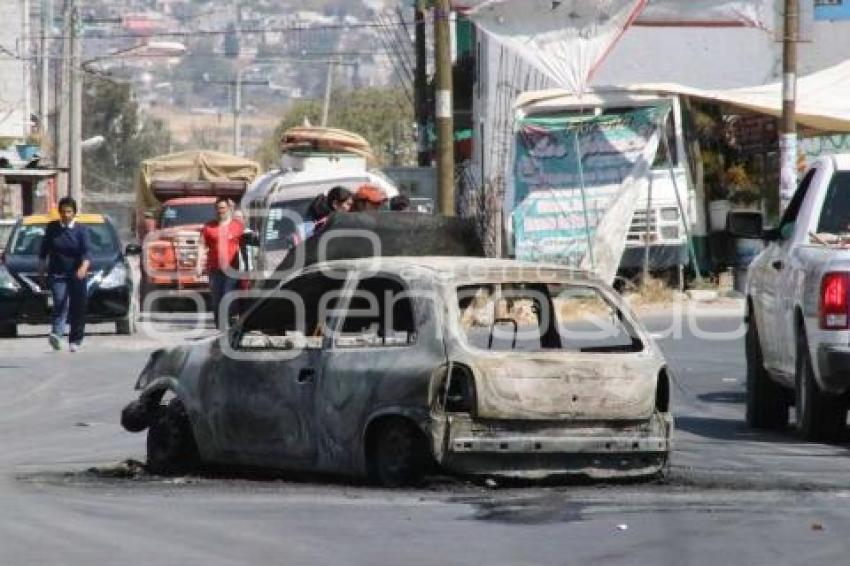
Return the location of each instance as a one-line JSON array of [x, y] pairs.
[[568, 40], [727, 13], [822, 98], [745, 13]]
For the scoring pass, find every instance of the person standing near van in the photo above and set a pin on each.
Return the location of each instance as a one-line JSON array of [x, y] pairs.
[[338, 200], [369, 198], [222, 236], [64, 254]]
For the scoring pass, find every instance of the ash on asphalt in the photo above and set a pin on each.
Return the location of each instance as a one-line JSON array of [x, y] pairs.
[[681, 479]]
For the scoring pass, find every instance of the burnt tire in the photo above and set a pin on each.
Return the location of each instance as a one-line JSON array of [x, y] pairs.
[[767, 403], [135, 417], [8, 330], [171, 443], [820, 415], [398, 455]]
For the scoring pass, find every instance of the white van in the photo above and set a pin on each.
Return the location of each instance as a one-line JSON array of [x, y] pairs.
[[277, 203]]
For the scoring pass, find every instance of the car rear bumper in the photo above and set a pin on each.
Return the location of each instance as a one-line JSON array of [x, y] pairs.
[[529, 450], [834, 367]]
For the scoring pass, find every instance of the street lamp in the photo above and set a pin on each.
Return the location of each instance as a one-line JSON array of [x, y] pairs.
[[148, 49], [75, 110]]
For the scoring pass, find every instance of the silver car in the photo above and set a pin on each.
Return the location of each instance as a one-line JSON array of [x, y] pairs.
[[383, 367]]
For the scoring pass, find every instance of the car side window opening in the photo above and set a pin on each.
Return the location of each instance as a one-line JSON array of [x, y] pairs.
[[786, 224], [540, 317], [300, 309], [379, 313], [835, 213]]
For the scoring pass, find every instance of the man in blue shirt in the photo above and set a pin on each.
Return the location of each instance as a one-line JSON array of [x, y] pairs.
[[65, 255]]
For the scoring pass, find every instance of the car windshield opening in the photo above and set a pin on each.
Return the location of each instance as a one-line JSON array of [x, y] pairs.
[[27, 240], [284, 220], [534, 317], [302, 307]]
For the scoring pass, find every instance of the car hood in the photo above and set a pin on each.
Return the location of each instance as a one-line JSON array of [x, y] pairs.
[[29, 263], [179, 363]]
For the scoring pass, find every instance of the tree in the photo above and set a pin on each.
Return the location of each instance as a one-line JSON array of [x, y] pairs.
[[384, 116], [109, 110]]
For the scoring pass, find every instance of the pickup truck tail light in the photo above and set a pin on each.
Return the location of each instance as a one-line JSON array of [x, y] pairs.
[[833, 301]]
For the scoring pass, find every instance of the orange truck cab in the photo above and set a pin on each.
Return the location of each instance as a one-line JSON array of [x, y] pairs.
[[176, 197]]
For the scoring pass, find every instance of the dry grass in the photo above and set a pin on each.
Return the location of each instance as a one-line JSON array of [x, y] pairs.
[[651, 291]]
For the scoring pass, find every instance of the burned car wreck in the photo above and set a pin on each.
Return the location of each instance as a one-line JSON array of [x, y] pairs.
[[379, 367]]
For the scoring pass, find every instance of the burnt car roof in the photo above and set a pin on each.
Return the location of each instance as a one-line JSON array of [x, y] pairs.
[[367, 234], [463, 269]]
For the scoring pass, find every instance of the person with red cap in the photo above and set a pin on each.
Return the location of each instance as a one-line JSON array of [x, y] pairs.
[[369, 197]]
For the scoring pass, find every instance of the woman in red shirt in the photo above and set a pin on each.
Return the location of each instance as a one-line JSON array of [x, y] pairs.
[[222, 237]]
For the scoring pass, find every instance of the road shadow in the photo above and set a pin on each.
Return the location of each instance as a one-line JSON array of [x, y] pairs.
[[727, 429], [732, 397], [737, 430]]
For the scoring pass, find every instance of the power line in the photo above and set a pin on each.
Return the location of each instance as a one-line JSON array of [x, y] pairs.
[[190, 55], [247, 31]]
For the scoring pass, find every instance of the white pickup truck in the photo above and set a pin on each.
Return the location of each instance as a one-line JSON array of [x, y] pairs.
[[798, 316]]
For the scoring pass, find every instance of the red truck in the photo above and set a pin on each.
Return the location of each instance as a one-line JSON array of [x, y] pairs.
[[176, 195]]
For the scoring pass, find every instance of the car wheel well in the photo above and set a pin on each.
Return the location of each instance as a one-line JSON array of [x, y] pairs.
[[662, 391], [799, 327], [377, 423], [420, 454], [799, 323]]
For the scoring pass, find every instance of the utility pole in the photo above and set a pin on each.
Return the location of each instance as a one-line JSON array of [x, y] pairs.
[[237, 114], [788, 131], [328, 87], [237, 95], [75, 174], [420, 85], [234, 87], [44, 79], [63, 135], [26, 49], [445, 123]]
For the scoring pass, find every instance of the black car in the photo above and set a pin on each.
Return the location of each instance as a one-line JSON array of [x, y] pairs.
[[110, 285]]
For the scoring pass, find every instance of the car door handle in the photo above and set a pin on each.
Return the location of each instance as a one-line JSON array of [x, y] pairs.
[[305, 375], [777, 265]]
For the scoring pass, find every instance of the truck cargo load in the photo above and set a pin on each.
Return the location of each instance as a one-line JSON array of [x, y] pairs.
[[196, 165]]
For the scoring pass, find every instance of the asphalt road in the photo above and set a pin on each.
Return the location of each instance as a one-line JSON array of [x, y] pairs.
[[731, 496]]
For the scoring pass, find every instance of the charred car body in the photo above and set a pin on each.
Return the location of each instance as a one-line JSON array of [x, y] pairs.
[[379, 366]]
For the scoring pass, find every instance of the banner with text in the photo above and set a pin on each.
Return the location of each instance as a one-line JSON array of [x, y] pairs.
[[575, 184]]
